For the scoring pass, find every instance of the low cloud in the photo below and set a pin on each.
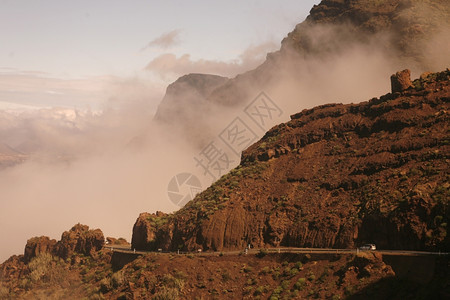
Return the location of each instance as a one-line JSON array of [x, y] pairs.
[[169, 66], [165, 40]]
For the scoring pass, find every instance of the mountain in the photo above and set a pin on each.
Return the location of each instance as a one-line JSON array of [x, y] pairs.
[[411, 33], [335, 176]]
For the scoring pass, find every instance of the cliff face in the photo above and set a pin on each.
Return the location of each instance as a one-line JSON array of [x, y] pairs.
[[334, 176], [187, 92]]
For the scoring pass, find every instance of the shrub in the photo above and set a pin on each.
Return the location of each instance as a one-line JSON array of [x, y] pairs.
[[265, 270], [166, 294], [4, 292], [260, 290], [105, 285], [300, 284], [299, 265], [117, 279], [285, 284], [293, 272], [226, 276], [171, 282], [39, 266], [275, 275], [45, 267], [278, 290]]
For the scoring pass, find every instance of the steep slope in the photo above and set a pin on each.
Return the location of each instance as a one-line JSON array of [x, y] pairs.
[[334, 176]]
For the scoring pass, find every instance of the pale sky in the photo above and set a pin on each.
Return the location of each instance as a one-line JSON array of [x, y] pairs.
[[55, 48]]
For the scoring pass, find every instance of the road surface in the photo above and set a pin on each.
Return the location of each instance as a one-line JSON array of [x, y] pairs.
[[127, 249]]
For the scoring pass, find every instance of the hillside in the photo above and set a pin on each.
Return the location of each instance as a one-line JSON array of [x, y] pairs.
[[334, 176]]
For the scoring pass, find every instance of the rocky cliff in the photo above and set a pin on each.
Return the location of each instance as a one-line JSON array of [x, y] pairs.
[[334, 176]]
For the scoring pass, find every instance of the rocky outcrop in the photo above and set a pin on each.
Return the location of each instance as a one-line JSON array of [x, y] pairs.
[[145, 230], [38, 245], [79, 239], [334, 176], [401, 81]]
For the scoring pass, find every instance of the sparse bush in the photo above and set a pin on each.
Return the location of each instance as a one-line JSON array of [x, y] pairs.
[[276, 275], [285, 284], [45, 267], [105, 285], [260, 290], [166, 294], [172, 282], [286, 271], [39, 266], [247, 269], [300, 284], [248, 290], [277, 291], [4, 292], [117, 279], [226, 276]]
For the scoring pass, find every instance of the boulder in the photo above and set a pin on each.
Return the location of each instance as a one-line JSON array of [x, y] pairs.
[[401, 81]]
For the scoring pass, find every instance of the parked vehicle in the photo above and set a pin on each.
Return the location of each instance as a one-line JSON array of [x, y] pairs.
[[368, 247]]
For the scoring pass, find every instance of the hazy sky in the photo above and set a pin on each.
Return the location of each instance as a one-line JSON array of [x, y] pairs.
[[103, 39]]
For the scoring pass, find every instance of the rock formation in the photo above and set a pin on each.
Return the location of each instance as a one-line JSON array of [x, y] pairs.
[[38, 245], [401, 81], [79, 239]]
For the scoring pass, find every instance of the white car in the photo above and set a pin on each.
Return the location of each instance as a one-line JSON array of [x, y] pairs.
[[368, 247]]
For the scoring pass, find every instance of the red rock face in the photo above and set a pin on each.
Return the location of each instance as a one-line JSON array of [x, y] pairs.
[[145, 230], [401, 81], [38, 245], [334, 176]]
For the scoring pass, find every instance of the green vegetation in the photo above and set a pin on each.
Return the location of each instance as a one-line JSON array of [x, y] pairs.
[[300, 284]]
